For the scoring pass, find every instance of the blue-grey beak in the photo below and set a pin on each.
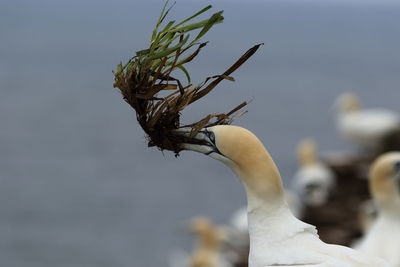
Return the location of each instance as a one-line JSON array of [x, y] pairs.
[[205, 138]]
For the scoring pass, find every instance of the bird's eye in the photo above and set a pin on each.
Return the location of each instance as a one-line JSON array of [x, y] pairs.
[[211, 141], [210, 135]]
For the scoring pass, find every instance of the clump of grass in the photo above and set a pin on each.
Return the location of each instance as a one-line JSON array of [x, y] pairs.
[[147, 84]]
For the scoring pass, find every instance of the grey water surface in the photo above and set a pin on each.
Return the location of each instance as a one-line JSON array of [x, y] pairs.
[[78, 185]]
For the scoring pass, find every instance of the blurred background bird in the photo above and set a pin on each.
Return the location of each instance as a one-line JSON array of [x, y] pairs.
[[366, 128], [313, 182], [382, 238], [207, 249]]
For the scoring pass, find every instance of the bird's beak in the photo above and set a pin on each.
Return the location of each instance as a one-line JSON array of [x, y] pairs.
[[205, 138]]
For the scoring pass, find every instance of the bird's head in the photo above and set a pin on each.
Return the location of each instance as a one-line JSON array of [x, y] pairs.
[[306, 152], [233, 145], [201, 225], [314, 184], [347, 103], [385, 180], [208, 234]]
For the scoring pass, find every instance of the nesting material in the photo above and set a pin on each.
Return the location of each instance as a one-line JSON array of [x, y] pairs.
[[147, 83]]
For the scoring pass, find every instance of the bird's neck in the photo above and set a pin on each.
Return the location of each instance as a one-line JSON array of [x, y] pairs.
[[385, 193], [307, 155], [266, 205], [262, 181], [269, 217]]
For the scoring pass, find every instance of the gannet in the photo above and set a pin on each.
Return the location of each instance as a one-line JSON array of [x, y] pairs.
[[206, 252], [313, 182], [365, 127], [383, 237], [277, 237]]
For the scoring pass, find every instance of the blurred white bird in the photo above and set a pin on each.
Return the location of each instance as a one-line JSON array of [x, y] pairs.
[[277, 238], [383, 238], [206, 252], [313, 182], [239, 219], [364, 127], [239, 230]]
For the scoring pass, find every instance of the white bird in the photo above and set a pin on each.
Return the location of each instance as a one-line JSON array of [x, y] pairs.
[[364, 127], [383, 238], [313, 182], [239, 230], [277, 238], [206, 252]]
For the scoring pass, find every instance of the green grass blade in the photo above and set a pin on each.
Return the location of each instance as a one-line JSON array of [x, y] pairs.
[[182, 68], [142, 52], [167, 27], [192, 26], [167, 51], [163, 14], [215, 18], [166, 12], [195, 15]]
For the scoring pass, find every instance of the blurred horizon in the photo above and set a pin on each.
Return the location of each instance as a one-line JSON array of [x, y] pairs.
[[80, 187]]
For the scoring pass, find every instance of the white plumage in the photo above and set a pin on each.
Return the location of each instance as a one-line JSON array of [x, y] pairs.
[[364, 127], [277, 238], [383, 237]]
